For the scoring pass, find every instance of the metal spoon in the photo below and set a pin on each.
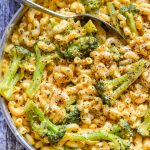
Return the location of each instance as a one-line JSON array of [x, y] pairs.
[[75, 16]]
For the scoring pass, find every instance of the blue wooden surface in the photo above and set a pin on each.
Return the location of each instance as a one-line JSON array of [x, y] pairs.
[[7, 139]]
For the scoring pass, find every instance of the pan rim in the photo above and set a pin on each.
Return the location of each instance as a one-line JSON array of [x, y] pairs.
[[3, 106]]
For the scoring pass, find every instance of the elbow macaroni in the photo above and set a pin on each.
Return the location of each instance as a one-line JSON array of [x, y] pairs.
[[65, 79]]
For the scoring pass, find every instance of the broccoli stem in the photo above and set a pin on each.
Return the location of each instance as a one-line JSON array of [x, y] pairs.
[[110, 90], [111, 84], [100, 135], [131, 22], [37, 76], [144, 127], [41, 62], [113, 15], [130, 77], [14, 66], [93, 136], [8, 84], [41, 124], [8, 93], [129, 12], [34, 112], [115, 129], [118, 81]]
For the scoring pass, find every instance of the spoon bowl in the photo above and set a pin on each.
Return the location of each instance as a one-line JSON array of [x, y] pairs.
[[38, 7]]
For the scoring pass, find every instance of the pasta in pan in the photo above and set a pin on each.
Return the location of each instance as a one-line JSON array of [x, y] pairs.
[[72, 84]]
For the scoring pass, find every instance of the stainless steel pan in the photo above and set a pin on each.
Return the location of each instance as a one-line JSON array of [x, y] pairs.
[[3, 105]]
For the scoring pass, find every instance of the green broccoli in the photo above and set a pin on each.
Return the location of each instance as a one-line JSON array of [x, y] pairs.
[[44, 127], [129, 13], [41, 62], [119, 143], [113, 15], [144, 127], [17, 53], [91, 5], [9, 92], [122, 129], [110, 90], [27, 61], [115, 53], [90, 27], [80, 47], [72, 116], [72, 112]]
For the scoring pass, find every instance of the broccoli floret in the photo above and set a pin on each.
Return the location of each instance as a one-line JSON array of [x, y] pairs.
[[72, 51], [115, 53], [41, 61], [110, 90], [113, 15], [17, 53], [80, 47], [73, 116], [91, 5], [132, 8], [129, 13], [122, 129], [44, 127], [72, 112], [144, 127]]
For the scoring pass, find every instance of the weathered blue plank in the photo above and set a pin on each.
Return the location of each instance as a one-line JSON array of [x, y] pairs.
[[7, 139]]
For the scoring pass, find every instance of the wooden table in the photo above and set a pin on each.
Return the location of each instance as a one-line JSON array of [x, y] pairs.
[[7, 139]]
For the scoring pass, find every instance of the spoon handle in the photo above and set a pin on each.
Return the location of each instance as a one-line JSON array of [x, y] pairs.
[[34, 5], [42, 9]]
